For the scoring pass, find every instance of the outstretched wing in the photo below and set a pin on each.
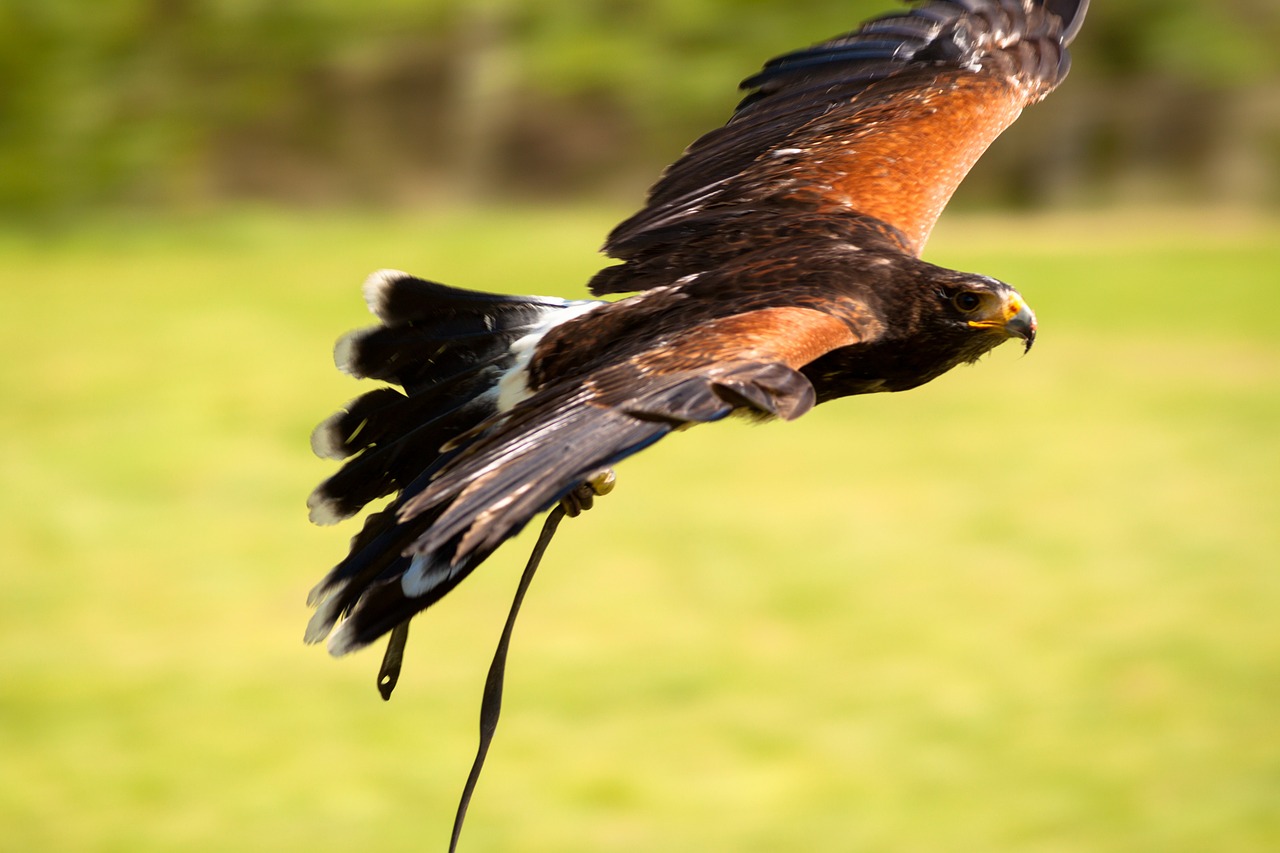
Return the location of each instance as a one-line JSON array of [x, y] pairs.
[[882, 123], [523, 461]]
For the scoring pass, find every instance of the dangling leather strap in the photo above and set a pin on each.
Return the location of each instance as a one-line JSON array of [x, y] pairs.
[[389, 672], [491, 702]]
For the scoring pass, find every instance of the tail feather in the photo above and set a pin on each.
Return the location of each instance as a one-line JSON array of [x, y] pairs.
[[384, 468], [432, 334], [375, 554], [384, 604], [448, 349], [385, 414], [418, 360], [380, 583], [397, 298]]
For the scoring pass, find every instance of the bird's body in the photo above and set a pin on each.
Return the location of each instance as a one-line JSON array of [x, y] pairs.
[[775, 266]]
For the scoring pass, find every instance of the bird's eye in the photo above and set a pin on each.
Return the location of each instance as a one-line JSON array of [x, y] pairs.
[[966, 301]]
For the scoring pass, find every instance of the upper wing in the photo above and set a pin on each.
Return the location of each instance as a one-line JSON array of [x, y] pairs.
[[883, 122]]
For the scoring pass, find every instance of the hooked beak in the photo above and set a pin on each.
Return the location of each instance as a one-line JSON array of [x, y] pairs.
[[1023, 325], [1015, 318]]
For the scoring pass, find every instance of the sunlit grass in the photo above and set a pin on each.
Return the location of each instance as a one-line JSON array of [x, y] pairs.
[[1029, 607]]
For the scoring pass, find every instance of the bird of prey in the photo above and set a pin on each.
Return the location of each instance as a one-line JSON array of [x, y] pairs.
[[775, 265]]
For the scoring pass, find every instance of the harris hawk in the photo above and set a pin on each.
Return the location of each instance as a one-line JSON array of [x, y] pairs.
[[776, 265]]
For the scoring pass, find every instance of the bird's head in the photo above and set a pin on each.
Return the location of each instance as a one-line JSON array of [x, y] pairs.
[[983, 312]]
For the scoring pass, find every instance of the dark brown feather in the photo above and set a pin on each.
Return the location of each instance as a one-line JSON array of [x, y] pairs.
[[529, 458], [882, 123]]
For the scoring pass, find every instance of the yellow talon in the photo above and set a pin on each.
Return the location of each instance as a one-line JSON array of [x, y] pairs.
[[583, 496], [603, 482]]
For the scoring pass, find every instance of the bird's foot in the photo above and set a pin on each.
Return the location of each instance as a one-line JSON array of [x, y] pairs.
[[584, 496]]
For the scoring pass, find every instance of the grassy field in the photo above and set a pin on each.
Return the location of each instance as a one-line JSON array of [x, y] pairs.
[[1034, 606]]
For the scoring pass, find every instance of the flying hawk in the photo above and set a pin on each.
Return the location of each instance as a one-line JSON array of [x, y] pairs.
[[776, 265]]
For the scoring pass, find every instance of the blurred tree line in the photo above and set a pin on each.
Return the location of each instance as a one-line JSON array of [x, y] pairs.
[[181, 103]]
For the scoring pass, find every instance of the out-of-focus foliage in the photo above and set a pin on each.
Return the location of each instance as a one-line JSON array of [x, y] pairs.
[[179, 102], [1228, 42]]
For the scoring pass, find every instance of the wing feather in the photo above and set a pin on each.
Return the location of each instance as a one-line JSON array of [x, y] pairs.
[[882, 123], [527, 459], [534, 455]]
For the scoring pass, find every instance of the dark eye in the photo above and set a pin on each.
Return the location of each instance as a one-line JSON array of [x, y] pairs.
[[966, 301]]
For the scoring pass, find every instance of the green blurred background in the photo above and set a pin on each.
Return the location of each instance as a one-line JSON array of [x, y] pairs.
[[189, 105], [1032, 606]]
